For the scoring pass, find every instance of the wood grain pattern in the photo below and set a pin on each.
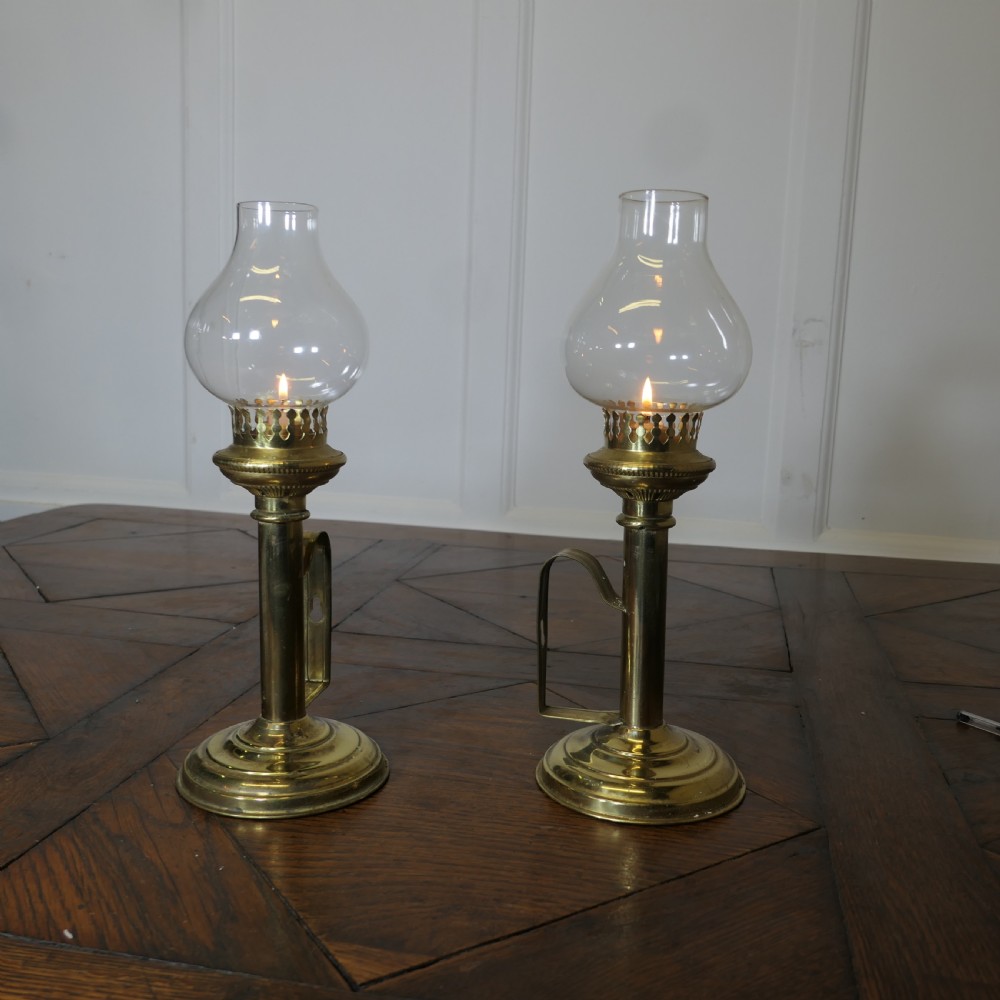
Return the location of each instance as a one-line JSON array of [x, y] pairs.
[[19, 721], [714, 934], [14, 584], [863, 863], [920, 903], [142, 873], [970, 761], [917, 656], [451, 838], [68, 681], [66, 568], [878, 593], [30, 971], [974, 620], [94, 755], [70, 620]]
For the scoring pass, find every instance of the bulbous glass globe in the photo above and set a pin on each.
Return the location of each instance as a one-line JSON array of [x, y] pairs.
[[275, 328], [658, 331]]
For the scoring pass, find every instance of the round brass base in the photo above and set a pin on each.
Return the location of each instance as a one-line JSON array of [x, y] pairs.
[[268, 770], [653, 776]]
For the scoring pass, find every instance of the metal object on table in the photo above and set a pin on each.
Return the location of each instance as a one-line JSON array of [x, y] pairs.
[[629, 765], [656, 341], [285, 762], [979, 722], [277, 339]]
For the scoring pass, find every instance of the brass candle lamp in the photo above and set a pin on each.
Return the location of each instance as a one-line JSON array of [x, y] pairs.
[[656, 342], [278, 339]]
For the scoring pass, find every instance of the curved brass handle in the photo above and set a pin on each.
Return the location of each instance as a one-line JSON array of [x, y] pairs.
[[318, 609], [610, 597]]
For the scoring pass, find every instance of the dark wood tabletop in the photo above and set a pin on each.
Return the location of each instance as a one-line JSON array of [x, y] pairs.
[[863, 862]]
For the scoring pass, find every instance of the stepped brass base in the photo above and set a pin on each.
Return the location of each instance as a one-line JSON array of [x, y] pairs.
[[654, 776], [264, 770]]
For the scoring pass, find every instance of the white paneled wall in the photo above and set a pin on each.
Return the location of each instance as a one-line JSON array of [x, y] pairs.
[[917, 454], [466, 158], [91, 251]]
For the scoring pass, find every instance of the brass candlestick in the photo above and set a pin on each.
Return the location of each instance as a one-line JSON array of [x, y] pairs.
[[631, 766], [277, 338], [285, 762], [659, 327]]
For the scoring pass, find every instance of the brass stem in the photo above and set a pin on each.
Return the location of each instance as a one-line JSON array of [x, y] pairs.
[[285, 762], [644, 595], [282, 637], [630, 766]]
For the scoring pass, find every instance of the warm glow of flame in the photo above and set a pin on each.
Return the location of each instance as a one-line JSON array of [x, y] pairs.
[[647, 393], [657, 333], [283, 386]]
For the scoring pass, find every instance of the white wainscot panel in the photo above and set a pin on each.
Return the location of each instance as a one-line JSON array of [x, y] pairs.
[[365, 109], [917, 461], [695, 96], [90, 254]]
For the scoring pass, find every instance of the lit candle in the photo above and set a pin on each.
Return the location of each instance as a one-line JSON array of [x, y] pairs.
[[283, 387], [647, 395]]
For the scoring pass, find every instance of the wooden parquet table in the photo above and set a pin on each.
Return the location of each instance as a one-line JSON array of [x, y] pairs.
[[864, 861]]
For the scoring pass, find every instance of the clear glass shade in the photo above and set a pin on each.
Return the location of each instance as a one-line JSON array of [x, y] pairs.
[[275, 328], [658, 331]]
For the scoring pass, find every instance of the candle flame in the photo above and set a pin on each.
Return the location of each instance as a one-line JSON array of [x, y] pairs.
[[283, 387], [647, 393]]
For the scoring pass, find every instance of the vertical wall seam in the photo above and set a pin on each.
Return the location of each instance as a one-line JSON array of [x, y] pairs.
[[495, 250], [464, 427], [518, 252], [838, 311], [185, 227], [227, 136]]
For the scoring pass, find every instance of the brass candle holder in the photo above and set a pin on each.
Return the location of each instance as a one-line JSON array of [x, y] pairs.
[[631, 766], [659, 327], [277, 338], [285, 762]]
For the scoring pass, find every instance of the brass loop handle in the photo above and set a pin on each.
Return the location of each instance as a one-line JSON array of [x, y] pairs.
[[610, 597], [318, 610]]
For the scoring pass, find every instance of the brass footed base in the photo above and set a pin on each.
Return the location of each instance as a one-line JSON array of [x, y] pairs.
[[654, 776], [266, 770]]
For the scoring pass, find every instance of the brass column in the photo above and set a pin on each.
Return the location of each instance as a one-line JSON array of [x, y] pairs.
[[644, 596], [280, 556], [285, 762], [631, 766]]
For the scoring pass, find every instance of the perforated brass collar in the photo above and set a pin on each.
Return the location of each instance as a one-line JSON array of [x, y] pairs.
[[278, 427], [677, 431]]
